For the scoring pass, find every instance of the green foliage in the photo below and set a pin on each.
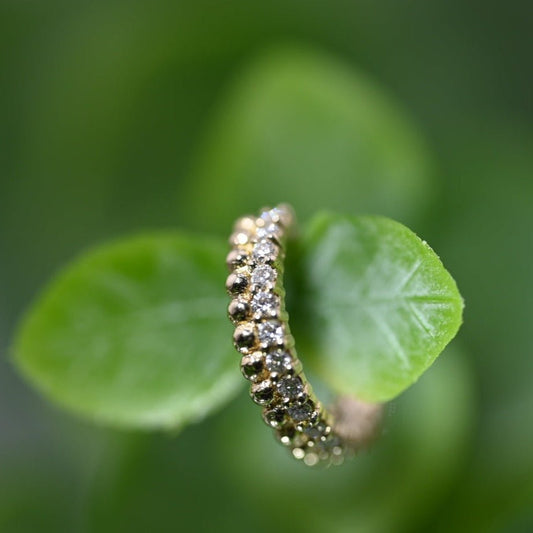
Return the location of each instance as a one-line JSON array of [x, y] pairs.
[[380, 307], [135, 333], [104, 104], [300, 127]]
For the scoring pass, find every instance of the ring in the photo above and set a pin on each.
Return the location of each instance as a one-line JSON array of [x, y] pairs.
[[269, 360]]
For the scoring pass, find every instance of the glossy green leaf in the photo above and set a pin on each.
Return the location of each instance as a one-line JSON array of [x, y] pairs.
[[377, 306], [135, 333], [302, 127]]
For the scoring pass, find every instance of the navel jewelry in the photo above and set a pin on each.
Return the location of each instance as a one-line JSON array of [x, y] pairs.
[[269, 359]]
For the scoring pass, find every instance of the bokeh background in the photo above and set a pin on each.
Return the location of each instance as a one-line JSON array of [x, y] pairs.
[[107, 115]]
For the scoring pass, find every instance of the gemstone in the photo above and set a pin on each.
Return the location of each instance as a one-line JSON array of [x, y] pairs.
[[244, 336], [252, 366], [236, 283], [290, 388], [262, 393], [265, 304], [300, 413], [274, 417], [238, 310], [270, 333], [269, 231], [264, 277], [279, 215], [264, 251], [278, 362]]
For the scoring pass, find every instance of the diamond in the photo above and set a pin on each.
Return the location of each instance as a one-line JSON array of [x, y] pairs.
[[264, 277], [265, 304], [269, 231], [270, 333], [278, 362], [300, 413], [278, 215], [290, 388], [265, 251]]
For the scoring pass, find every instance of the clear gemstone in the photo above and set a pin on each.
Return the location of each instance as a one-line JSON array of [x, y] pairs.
[[264, 276], [265, 251], [278, 215], [265, 304], [278, 362], [290, 387], [299, 413], [269, 231], [270, 333]]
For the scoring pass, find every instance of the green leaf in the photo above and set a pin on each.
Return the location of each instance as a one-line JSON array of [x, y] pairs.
[[377, 306], [135, 333], [304, 128]]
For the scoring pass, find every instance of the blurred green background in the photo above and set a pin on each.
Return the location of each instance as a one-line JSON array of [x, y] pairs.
[[115, 117]]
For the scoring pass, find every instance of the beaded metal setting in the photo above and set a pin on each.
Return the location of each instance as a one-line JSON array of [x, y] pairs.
[[262, 336]]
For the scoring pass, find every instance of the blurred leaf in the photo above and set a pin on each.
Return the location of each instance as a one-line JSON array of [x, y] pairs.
[[379, 305], [135, 333], [303, 128]]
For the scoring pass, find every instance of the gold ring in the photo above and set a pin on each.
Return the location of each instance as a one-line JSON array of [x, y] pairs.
[[269, 360]]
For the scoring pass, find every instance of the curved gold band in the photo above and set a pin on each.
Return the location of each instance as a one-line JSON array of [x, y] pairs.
[[269, 359]]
